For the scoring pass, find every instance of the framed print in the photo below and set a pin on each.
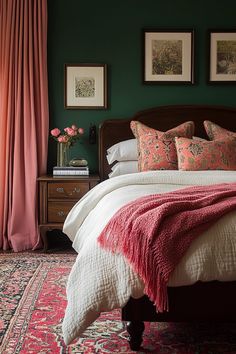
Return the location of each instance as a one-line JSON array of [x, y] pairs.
[[222, 56], [168, 56], [85, 86]]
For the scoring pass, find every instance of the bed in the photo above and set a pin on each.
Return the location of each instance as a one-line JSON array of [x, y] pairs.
[[200, 301]]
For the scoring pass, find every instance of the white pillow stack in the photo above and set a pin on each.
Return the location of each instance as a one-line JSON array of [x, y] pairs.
[[126, 155]]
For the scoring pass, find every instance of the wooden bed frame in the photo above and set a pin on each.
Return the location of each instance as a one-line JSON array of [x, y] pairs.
[[209, 301]]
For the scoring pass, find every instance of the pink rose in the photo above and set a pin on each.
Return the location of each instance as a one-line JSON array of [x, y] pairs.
[[55, 132], [71, 132], [74, 127], [81, 131], [63, 139]]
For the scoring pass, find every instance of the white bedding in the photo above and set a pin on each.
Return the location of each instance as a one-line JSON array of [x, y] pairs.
[[101, 281]]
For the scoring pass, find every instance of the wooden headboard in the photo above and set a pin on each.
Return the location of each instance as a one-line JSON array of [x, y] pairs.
[[161, 118]]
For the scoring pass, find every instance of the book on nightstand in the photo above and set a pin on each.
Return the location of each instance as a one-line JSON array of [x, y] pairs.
[[71, 171]]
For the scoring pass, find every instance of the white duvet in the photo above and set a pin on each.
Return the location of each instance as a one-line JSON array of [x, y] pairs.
[[101, 281]]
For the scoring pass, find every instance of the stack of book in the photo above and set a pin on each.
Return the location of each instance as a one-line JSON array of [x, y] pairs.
[[71, 171]]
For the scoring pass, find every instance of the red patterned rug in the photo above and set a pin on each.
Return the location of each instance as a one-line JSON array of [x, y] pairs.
[[32, 304]]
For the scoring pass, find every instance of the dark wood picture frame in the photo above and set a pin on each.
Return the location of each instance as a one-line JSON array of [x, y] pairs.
[[168, 56], [221, 56], [85, 86]]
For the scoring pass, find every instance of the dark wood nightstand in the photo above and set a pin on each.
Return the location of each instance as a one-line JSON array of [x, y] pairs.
[[57, 195]]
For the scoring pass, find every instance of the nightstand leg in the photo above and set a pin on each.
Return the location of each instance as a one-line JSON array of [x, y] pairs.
[[43, 232]]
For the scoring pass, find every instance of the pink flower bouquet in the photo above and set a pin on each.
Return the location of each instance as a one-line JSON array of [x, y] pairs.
[[69, 136]]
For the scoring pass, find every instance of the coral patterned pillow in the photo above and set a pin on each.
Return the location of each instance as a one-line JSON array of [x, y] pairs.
[[196, 155], [214, 131], [156, 149]]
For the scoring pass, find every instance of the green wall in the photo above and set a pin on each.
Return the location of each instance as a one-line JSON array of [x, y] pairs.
[[109, 31]]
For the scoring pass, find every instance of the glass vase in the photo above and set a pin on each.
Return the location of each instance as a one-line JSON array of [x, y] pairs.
[[62, 154]]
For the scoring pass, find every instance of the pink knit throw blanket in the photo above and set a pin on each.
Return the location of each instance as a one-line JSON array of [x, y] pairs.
[[154, 232]]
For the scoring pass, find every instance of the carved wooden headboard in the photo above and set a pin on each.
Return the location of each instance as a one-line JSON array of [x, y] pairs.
[[161, 118]]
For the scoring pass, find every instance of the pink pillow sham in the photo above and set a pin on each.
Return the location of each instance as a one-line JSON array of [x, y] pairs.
[[196, 155], [156, 149], [214, 131]]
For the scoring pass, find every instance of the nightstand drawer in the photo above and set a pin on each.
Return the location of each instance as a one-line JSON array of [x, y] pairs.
[[70, 190], [57, 211]]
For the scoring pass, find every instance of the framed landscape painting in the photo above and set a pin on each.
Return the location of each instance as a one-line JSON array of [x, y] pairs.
[[168, 56], [222, 56], [85, 86]]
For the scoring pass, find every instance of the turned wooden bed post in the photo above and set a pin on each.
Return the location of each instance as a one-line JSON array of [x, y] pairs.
[[135, 330]]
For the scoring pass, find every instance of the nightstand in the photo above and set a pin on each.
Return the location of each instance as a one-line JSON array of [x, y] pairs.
[[57, 195]]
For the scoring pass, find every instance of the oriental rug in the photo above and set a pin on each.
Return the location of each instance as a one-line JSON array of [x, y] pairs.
[[32, 305]]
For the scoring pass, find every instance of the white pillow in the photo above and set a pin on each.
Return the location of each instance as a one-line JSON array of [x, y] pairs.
[[125, 150], [198, 138], [123, 168]]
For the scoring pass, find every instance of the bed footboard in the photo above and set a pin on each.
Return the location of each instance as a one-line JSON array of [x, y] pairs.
[[202, 302]]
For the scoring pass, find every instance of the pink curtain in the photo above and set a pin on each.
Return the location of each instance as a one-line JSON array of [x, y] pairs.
[[23, 119]]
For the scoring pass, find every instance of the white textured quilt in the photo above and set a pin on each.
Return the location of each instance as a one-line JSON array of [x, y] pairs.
[[101, 281]]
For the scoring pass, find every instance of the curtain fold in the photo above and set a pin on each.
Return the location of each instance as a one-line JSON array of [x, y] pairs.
[[23, 119]]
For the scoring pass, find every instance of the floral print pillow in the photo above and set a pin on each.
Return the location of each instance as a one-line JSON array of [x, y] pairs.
[[214, 131], [156, 149], [185, 129], [196, 155]]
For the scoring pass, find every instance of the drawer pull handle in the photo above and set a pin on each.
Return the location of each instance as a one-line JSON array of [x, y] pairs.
[[61, 213], [60, 190], [75, 191]]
